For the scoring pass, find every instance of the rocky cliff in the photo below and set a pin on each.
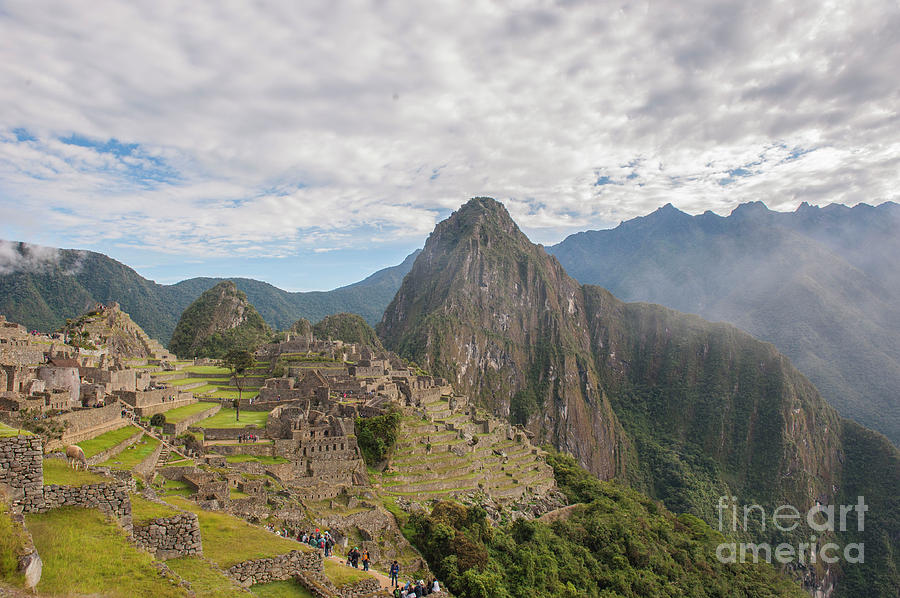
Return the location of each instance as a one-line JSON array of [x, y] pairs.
[[219, 320]]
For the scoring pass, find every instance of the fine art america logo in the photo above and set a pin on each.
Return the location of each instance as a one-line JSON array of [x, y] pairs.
[[820, 519]]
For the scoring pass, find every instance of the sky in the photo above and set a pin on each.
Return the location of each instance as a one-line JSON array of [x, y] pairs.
[[309, 144]]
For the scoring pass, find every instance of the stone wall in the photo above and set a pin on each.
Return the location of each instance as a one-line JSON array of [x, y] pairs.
[[277, 568], [21, 468], [145, 468], [83, 424], [111, 499], [229, 433], [182, 399], [182, 426], [112, 452], [20, 353], [245, 448], [170, 537]]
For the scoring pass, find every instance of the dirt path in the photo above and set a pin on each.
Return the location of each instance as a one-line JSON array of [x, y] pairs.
[[383, 579]]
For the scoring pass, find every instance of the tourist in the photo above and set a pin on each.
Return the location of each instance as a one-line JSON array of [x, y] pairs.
[[394, 572], [435, 588], [365, 559]]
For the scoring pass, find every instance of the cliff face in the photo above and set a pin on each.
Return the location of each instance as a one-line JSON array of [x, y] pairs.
[[500, 318], [682, 407], [219, 320]]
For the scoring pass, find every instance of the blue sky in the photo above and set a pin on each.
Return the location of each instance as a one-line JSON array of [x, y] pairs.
[[310, 144]]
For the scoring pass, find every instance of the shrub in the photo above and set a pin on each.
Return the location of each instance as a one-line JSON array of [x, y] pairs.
[[158, 420]]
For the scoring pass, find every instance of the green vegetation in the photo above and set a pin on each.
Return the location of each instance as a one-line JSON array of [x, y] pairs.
[[206, 369], [238, 361], [342, 575], [620, 544], [84, 553], [349, 328], [179, 414], [228, 540], [6, 431], [133, 455], [144, 511], [225, 418], [206, 581], [107, 440], [158, 420], [57, 471], [377, 435], [281, 589], [204, 329], [12, 543], [264, 459]]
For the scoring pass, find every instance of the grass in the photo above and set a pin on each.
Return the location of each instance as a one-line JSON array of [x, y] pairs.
[[206, 581], [57, 471], [179, 414], [281, 589], [237, 494], [225, 419], [206, 369], [265, 460], [6, 431], [183, 381], [106, 441], [84, 553], [228, 540], [133, 455], [12, 542], [175, 488], [342, 575], [145, 511]]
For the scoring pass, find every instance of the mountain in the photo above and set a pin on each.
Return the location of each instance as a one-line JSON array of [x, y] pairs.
[[41, 287], [821, 284], [349, 328], [684, 409], [221, 319]]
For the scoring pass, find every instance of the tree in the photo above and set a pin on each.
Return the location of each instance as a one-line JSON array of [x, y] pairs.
[[238, 361]]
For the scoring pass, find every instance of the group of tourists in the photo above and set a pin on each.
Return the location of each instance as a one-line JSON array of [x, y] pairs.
[[415, 589], [320, 540], [355, 556], [242, 438]]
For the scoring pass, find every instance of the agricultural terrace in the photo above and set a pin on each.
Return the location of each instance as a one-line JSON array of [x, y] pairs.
[[228, 540], [225, 418], [69, 540], [133, 455], [106, 441]]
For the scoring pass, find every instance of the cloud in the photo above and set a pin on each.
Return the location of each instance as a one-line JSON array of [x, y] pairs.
[[266, 128], [25, 257]]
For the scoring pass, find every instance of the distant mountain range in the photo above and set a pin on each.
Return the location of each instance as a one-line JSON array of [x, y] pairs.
[[41, 287], [821, 284]]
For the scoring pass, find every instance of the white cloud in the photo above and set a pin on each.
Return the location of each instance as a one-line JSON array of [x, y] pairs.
[[267, 127]]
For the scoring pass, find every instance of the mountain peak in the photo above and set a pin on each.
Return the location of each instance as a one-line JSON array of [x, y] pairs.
[[751, 209]]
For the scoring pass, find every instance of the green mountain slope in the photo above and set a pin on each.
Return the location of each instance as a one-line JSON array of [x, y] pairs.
[[41, 287], [220, 320], [349, 328], [682, 408], [820, 284]]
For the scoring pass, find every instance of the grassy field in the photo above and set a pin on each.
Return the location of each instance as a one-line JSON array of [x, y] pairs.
[[84, 553], [341, 575], [144, 511], [179, 414], [175, 488], [6, 431], [206, 369], [228, 540], [106, 441], [133, 455], [281, 589], [225, 419], [206, 581], [57, 471], [12, 540]]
